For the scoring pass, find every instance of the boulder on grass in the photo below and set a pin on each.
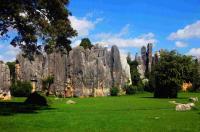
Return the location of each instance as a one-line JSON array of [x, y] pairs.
[[193, 99], [71, 102], [5, 96], [36, 99]]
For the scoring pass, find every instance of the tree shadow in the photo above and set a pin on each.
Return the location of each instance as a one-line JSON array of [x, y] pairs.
[[165, 98], [12, 108]]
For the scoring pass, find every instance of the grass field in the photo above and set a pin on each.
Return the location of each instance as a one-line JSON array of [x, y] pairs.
[[126, 113]]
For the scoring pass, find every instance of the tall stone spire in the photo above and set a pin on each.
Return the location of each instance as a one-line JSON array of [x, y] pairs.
[[149, 54], [144, 57], [4, 77]]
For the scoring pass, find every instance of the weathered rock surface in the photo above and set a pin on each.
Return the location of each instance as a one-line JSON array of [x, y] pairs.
[[4, 82], [4, 77], [81, 73], [125, 68]]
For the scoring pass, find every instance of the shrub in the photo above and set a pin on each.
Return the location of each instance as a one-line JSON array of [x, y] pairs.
[[114, 91], [21, 89], [130, 89], [36, 99], [140, 87], [47, 82]]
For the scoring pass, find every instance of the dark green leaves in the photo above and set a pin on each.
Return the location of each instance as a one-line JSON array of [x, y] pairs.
[[37, 23]]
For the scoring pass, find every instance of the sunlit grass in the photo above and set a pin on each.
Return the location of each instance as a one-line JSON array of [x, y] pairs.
[[136, 113]]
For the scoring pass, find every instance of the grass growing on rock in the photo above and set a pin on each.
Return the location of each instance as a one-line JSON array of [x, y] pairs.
[[139, 112]]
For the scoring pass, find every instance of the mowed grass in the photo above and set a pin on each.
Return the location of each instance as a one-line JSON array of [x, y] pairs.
[[134, 113]]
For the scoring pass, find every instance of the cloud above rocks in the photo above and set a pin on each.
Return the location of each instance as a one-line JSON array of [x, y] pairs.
[[119, 39], [194, 52], [83, 25], [9, 53], [188, 32], [180, 44]]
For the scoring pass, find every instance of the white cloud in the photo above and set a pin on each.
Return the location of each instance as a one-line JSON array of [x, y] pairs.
[[190, 31], [76, 43], [124, 31], [109, 39], [130, 42], [1, 46], [194, 52], [83, 25], [1, 57], [180, 44], [9, 53]]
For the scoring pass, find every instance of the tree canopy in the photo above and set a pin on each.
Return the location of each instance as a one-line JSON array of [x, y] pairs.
[[37, 21], [171, 71], [86, 43]]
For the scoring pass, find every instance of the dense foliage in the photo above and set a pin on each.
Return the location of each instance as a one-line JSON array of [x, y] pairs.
[[130, 89], [135, 75], [46, 83], [21, 89], [86, 43], [36, 99], [196, 77], [114, 91], [11, 66], [170, 72], [37, 21]]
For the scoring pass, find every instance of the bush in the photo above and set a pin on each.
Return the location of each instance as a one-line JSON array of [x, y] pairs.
[[130, 89], [36, 99], [21, 89], [114, 91], [47, 82], [140, 87]]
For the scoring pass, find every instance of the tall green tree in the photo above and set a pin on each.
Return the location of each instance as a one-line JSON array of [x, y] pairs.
[[86, 43], [196, 77], [170, 72], [37, 21]]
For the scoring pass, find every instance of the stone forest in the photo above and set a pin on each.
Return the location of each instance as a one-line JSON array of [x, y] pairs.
[[99, 66], [81, 73]]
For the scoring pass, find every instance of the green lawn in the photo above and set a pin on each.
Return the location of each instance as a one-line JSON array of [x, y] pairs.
[[126, 113]]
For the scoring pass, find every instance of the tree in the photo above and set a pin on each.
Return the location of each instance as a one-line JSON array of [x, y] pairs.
[[11, 66], [47, 82], [135, 75], [37, 21], [196, 77], [170, 72], [86, 43]]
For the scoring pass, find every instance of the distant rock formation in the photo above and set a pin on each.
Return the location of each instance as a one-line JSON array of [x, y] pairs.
[[81, 73], [4, 81], [145, 60], [4, 77]]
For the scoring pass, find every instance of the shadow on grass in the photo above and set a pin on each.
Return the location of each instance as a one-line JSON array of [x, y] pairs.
[[12, 108], [165, 98]]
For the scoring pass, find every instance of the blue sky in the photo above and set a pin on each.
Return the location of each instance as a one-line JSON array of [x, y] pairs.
[[129, 24]]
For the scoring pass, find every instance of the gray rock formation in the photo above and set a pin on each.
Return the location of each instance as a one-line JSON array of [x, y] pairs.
[[84, 72], [150, 57], [125, 68], [145, 60], [4, 77]]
